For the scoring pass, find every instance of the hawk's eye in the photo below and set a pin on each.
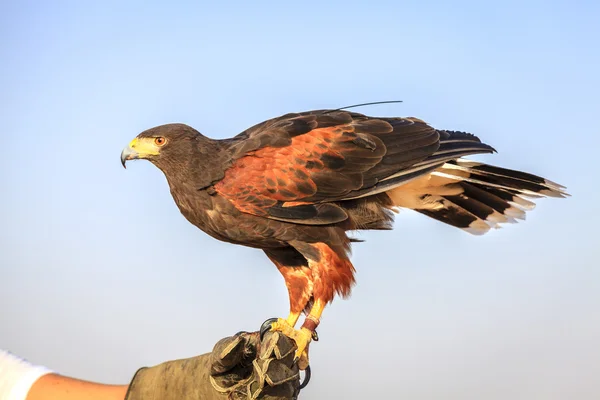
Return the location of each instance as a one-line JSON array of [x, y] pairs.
[[160, 141]]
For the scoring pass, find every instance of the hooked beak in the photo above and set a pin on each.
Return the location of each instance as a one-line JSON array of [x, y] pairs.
[[128, 154]]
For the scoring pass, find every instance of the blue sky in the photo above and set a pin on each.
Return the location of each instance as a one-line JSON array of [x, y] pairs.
[[100, 274]]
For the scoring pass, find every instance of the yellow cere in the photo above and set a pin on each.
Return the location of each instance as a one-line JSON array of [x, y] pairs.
[[144, 146]]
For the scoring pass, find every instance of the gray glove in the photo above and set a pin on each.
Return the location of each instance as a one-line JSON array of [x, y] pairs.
[[240, 367]]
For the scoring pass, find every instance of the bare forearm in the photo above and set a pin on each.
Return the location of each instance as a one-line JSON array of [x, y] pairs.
[[58, 387]]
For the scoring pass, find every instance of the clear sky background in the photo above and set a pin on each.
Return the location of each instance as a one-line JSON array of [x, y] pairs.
[[100, 274]]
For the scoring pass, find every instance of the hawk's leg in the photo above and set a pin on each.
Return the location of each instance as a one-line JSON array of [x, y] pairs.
[[298, 279], [305, 334], [292, 318], [330, 272]]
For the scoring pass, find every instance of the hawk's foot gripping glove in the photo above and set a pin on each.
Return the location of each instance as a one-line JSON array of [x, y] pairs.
[[240, 367]]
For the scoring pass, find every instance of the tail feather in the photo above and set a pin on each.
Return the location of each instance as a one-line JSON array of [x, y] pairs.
[[489, 175], [498, 171], [473, 196]]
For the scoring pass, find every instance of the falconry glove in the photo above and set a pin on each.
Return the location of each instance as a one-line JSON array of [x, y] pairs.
[[239, 367]]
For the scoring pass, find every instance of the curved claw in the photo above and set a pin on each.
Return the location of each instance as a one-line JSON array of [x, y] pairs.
[[306, 378], [266, 327]]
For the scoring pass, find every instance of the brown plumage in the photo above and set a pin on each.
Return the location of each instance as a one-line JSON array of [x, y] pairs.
[[295, 185]]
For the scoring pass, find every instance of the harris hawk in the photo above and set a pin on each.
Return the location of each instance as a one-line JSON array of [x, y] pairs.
[[296, 185]]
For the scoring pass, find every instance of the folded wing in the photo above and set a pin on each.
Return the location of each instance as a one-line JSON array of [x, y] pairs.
[[299, 167]]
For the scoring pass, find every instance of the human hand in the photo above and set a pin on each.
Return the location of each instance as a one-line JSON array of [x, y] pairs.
[[240, 367]]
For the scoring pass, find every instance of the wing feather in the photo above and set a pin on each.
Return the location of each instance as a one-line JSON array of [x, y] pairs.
[[294, 168]]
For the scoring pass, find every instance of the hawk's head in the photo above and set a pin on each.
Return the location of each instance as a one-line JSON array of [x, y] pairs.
[[162, 145]]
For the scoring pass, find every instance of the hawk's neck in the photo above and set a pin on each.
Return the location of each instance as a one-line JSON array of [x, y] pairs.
[[199, 167]]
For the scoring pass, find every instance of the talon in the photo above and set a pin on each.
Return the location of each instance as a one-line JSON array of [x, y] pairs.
[[306, 378], [266, 327], [301, 337], [281, 325]]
